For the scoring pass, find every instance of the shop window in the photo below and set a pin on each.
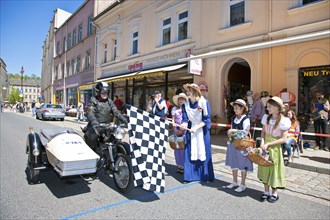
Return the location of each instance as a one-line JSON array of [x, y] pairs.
[[237, 9], [183, 26], [311, 80], [166, 31]]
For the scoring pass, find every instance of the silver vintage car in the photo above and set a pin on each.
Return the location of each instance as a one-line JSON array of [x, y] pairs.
[[50, 111]]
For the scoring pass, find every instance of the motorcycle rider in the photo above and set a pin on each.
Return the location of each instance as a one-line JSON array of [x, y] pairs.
[[101, 109]]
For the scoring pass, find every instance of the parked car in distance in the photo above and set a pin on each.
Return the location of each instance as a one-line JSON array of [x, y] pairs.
[[50, 111], [71, 111]]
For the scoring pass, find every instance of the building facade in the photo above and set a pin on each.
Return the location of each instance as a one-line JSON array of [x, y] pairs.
[[47, 70], [31, 88], [4, 91], [73, 62], [143, 46]]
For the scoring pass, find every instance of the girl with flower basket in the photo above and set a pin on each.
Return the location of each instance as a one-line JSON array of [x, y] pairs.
[[274, 133], [178, 100], [235, 158]]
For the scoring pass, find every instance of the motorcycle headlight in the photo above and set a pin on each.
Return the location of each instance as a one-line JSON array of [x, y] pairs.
[[35, 152], [120, 133]]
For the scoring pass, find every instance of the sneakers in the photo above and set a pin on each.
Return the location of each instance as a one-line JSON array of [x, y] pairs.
[[232, 185], [241, 188]]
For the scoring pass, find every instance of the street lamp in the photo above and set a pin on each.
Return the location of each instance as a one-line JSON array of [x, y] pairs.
[[22, 71]]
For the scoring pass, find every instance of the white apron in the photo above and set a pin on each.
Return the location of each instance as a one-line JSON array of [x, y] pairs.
[[197, 138]]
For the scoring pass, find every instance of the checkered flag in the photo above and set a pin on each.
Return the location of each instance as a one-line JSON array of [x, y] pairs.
[[148, 137]]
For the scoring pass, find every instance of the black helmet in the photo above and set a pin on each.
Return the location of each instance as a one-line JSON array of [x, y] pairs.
[[101, 86]]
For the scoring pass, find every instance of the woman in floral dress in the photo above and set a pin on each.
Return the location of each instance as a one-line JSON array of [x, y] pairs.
[[274, 133]]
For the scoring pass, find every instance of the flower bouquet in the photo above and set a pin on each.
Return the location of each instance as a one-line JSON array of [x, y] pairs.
[[260, 157], [242, 140]]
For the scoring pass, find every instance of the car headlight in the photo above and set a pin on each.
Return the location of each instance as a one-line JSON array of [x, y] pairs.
[[120, 133], [35, 152]]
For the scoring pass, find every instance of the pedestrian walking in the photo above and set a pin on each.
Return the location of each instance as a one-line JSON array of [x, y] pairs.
[[274, 133], [33, 108], [236, 159], [81, 111], [196, 115]]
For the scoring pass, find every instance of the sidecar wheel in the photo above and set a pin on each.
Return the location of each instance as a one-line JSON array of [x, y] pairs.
[[34, 176], [123, 175]]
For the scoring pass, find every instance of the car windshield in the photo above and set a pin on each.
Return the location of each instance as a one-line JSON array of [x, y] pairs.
[[53, 106]]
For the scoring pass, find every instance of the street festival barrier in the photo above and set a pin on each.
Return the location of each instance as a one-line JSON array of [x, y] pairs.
[[259, 129]]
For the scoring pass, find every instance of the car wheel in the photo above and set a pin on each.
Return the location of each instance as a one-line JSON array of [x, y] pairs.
[[62, 119]]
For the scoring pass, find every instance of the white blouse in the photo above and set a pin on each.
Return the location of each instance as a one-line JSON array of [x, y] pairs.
[[284, 125]]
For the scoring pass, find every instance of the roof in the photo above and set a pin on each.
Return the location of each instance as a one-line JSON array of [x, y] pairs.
[[26, 82]]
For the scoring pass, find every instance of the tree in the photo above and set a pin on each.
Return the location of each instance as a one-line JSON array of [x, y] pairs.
[[13, 96]]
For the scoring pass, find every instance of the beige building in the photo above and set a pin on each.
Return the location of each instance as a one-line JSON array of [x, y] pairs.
[[243, 46], [31, 88]]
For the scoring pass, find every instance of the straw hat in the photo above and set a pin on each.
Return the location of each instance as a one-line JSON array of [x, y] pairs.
[[193, 86], [279, 101], [176, 98], [239, 102]]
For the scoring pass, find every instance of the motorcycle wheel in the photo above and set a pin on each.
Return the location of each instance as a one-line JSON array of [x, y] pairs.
[[123, 175], [34, 175]]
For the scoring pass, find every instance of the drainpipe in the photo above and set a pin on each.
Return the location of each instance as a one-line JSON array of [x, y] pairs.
[[95, 48]]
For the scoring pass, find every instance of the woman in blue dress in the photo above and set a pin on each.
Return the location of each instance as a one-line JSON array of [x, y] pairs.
[[196, 116]]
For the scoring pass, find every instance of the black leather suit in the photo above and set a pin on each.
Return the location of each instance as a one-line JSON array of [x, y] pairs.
[[100, 111]]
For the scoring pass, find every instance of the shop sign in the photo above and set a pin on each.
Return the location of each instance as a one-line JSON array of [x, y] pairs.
[[203, 86], [196, 66]]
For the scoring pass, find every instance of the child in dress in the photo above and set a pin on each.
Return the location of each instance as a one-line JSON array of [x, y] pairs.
[[177, 132], [274, 133], [236, 159]]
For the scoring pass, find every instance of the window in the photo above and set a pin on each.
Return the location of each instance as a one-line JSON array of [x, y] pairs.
[[57, 48], [78, 64], [68, 68], [114, 49], [90, 25], [166, 31], [183, 26], [72, 66], [105, 53], [135, 42], [237, 12], [64, 44], [63, 70], [305, 2], [69, 41], [88, 59], [74, 37], [56, 72], [79, 33]]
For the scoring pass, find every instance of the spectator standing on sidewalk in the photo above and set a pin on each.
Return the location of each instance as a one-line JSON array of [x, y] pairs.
[[81, 111], [320, 108], [274, 133], [236, 159], [33, 108], [257, 112], [159, 108]]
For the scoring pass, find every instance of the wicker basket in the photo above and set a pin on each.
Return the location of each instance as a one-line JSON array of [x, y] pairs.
[[258, 159], [179, 145], [242, 144]]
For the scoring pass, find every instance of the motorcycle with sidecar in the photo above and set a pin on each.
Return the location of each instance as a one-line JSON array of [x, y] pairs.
[[68, 154]]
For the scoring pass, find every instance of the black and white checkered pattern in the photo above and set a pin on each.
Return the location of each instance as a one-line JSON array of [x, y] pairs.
[[149, 137]]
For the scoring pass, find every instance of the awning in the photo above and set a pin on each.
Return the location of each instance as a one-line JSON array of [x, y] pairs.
[[272, 43], [144, 73]]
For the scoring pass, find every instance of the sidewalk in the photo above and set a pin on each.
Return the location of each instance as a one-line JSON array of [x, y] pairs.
[[310, 160]]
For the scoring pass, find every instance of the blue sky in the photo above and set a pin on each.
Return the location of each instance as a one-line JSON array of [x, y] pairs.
[[23, 28]]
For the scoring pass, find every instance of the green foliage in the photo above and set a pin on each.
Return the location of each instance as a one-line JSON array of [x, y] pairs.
[[13, 96], [18, 76]]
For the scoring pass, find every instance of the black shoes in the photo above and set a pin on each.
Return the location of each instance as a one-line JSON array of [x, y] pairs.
[[273, 198], [264, 197]]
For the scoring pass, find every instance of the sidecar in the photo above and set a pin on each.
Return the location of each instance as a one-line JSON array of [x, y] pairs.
[[61, 149]]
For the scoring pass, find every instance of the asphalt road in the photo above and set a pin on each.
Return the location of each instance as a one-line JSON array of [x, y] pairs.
[[75, 198]]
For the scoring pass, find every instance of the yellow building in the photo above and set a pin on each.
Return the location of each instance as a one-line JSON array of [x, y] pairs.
[[243, 46]]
